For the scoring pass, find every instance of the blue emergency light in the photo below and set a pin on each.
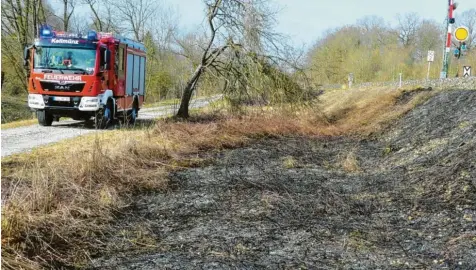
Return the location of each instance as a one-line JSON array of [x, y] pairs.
[[46, 31], [92, 35]]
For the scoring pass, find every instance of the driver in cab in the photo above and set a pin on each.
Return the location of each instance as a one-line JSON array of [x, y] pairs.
[[68, 60]]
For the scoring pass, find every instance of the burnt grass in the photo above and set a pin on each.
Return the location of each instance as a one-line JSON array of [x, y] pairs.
[[290, 203]]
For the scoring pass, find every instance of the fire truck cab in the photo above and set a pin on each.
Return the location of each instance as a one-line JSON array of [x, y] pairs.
[[97, 75]]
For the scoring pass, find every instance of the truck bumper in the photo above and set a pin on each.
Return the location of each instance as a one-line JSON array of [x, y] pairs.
[[64, 103]]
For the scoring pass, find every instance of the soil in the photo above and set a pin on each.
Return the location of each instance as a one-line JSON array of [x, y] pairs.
[[405, 199]]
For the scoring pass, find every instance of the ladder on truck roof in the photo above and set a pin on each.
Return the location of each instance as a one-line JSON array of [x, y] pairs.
[[131, 43]]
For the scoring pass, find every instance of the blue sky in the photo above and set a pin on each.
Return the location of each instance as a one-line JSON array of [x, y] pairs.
[[306, 20]]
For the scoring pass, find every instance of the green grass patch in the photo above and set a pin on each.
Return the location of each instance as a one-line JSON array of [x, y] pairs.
[[15, 109]]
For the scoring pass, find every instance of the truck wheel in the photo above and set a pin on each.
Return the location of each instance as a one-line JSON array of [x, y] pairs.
[[44, 118], [133, 114], [104, 118]]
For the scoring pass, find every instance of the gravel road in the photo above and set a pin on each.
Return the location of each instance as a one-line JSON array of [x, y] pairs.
[[23, 139]]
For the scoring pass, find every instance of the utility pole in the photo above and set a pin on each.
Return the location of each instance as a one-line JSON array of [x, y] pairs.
[[450, 20]]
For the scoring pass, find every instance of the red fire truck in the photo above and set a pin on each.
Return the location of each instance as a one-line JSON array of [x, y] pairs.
[[97, 75]]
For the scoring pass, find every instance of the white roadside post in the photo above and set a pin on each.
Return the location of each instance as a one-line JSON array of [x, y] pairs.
[[430, 58], [400, 83]]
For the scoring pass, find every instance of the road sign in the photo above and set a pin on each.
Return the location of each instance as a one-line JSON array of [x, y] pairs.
[[431, 56], [466, 71], [461, 33]]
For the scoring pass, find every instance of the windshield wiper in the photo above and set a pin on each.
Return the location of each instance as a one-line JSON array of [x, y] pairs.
[[81, 71], [50, 69]]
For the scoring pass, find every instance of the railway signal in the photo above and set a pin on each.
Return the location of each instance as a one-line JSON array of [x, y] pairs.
[[450, 21]]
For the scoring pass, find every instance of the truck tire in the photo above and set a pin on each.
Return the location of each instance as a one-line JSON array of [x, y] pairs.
[[44, 118], [133, 114], [104, 117]]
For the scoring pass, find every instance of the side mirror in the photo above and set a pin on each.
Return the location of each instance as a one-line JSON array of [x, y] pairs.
[[107, 60], [26, 56]]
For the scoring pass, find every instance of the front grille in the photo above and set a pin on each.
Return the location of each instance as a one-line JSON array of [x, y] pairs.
[[72, 103], [67, 87]]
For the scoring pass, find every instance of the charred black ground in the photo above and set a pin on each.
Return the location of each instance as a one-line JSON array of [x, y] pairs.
[[403, 199]]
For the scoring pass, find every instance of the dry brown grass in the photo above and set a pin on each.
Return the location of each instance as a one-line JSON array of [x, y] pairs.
[[20, 123], [364, 111], [59, 198], [24, 123], [350, 163]]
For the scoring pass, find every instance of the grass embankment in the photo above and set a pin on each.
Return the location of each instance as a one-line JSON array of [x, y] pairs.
[[15, 109], [20, 123], [60, 199], [16, 113]]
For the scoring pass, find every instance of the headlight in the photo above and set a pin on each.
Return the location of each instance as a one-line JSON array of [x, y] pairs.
[[89, 104], [36, 101]]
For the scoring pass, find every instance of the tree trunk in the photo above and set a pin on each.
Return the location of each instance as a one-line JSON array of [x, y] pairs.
[[187, 93], [65, 16], [98, 21]]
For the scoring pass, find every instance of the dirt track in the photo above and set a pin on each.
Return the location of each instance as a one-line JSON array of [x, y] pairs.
[[408, 201], [23, 139]]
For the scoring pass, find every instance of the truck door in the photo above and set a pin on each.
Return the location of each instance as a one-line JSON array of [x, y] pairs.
[[129, 73], [121, 70]]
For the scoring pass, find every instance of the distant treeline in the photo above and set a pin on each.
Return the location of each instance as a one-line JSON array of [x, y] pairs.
[[170, 54], [373, 50]]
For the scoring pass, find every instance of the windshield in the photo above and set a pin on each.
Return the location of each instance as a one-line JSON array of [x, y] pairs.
[[65, 58]]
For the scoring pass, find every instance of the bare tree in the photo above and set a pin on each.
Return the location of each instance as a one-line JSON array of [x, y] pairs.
[[428, 38], [164, 27], [78, 24], [220, 15], [191, 47], [134, 15], [19, 27], [97, 21], [408, 25], [375, 31], [468, 19], [68, 10], [239, 34], [19, 19]]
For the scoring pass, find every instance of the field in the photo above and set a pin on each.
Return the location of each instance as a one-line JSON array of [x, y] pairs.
[[357, 179]]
